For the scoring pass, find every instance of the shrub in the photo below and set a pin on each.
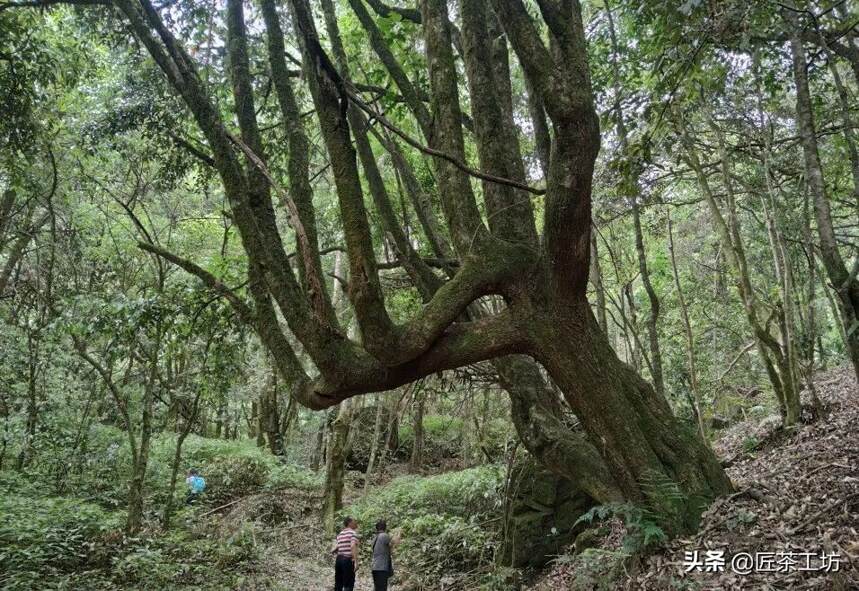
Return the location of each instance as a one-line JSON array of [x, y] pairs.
[[463, 493], [42, 536], [449, 521], [594, 569], [751, 443], [61, 543], [234, 476], [442, 438], [642, 528], [231, 468], [292, 476]]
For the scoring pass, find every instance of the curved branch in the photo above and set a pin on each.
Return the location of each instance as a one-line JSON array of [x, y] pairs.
[[241, 307], [384, 10], [462, 344]]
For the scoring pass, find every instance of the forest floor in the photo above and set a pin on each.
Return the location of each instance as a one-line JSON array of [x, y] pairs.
[[797, 492], [296, 557]]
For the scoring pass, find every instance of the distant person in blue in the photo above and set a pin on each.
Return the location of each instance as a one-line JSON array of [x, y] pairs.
[[196, 486]]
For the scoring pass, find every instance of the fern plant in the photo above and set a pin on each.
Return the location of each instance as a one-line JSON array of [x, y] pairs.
[[642, 526]]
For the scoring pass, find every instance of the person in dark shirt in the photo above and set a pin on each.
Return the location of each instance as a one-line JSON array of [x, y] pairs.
[[383, 564]]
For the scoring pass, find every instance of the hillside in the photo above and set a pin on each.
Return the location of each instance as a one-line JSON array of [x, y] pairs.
[[797, 492]]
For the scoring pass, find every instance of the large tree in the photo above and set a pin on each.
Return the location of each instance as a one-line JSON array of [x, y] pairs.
[[506, 289]]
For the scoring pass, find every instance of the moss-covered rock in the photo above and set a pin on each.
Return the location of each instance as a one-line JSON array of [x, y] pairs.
[[542, 516]]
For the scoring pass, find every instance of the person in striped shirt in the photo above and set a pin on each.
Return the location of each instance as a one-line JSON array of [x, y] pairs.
[[346, 549]]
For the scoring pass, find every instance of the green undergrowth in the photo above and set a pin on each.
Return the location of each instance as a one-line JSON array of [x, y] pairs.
[[63, 529], [449, 523], [642, 527], [49, 542], [99, 472], [443, 438]]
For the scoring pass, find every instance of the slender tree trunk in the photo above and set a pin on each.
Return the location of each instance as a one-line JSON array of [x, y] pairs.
[[137, 483], [778, 247], [417, 457], [732, 246], [31, 423], [4, 412], [542, 138], [636, 351], [630, 186], [810, 335], [177, 461], [652, 321], [287, 421], [219, 421], [335, 465], [374, 445], [270, 414], [843, 280], [690, 339], [318, 452], [596, 281]]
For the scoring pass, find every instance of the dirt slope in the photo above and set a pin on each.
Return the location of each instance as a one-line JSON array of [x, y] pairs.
[[797, 493]]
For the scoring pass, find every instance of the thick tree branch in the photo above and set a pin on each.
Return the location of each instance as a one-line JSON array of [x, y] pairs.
[[328, 91], [411, 95], [508, 212], [383, 10], [422, 276], [462, 344], [239, 305], [468, 231], [447, 157], [298, 163]]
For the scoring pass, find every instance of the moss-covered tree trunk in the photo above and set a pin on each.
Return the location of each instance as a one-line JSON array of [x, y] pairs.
[[844, 280], [417, 458], [335, 466], [652, 456]]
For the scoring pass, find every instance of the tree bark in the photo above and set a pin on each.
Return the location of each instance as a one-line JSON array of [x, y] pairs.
[[136, 485], [843, 282], [270, 414], [374, 443], [599, 288], [417, 458], [651, 455], [335, 466], [690, 339], [538, 418]]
